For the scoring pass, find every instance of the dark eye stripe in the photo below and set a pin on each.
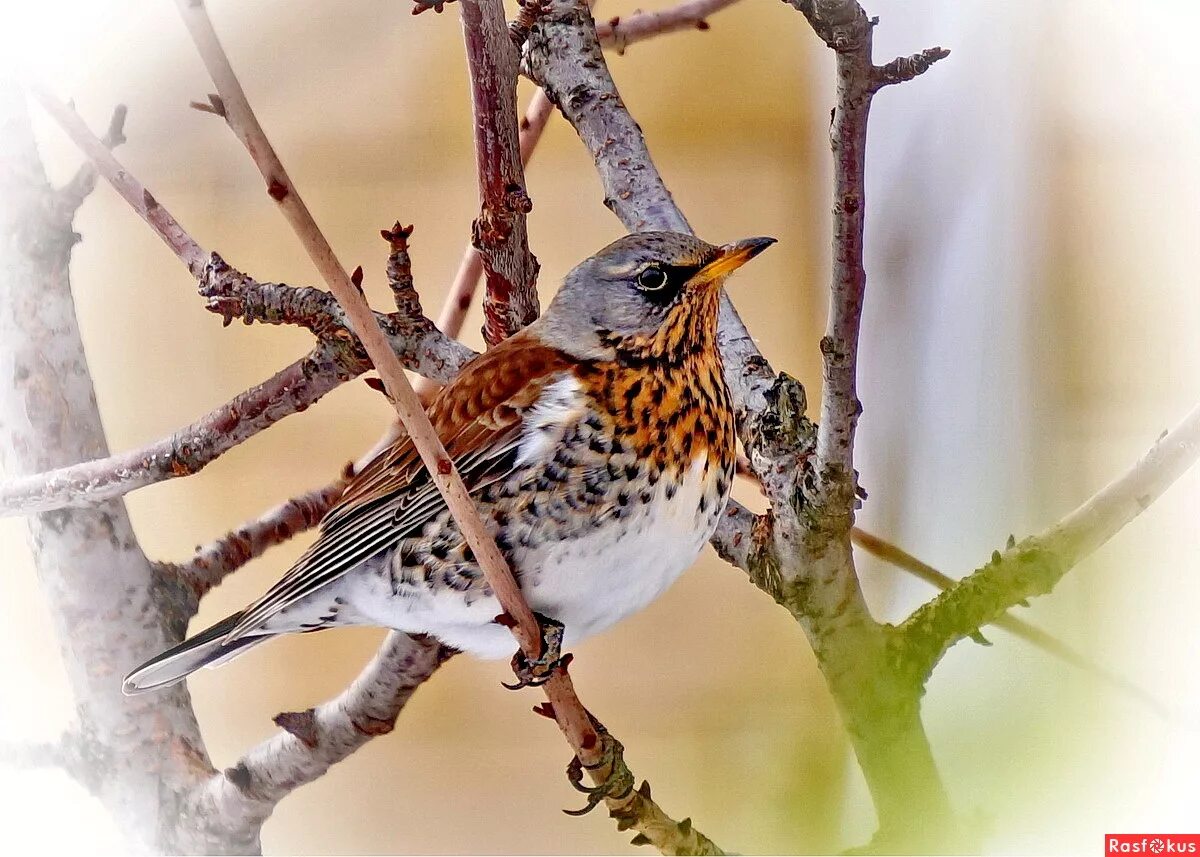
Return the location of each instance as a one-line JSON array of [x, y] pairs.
[[666, 294]]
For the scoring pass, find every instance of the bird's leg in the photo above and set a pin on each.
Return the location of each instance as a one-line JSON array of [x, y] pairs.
[[534, 673], [617, 784]]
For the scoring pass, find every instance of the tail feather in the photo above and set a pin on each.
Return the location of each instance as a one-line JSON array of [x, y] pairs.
[[205, 649]]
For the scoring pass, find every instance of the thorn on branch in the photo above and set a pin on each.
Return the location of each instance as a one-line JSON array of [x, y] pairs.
[[301, 725], [356, 279], [277, 190], [215, 106], [902, 69]]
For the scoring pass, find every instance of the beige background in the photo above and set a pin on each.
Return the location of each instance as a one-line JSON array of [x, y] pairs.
[[1031, 328]]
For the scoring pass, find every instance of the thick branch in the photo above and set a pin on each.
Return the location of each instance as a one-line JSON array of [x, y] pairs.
[[499, 234], [239, 799], [110, 608], [1036, 564]]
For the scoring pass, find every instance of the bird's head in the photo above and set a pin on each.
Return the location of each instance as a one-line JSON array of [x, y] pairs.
[[653, 294]]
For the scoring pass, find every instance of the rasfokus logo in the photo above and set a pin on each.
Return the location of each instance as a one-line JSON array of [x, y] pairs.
[[1152, 843]]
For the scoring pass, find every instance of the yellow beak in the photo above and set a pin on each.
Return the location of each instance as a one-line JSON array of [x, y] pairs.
[[730, 257]]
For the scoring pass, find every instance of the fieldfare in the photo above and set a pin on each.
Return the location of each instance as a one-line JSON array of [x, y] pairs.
[[598, 445]]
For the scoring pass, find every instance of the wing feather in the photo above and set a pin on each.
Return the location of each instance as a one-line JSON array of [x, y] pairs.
[[479, 417]]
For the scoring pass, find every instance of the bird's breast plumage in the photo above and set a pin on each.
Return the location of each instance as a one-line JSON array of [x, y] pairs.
[[619, 478]]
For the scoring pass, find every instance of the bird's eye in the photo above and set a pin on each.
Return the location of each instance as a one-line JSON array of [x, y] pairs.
[[652, 279]]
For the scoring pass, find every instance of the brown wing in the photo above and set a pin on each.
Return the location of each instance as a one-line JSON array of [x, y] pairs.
[[478, 417]]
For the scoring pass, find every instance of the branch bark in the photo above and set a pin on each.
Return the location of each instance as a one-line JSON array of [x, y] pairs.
[[229, 292], [1035, 565], [110, 607], [500, 233], [239, 799]]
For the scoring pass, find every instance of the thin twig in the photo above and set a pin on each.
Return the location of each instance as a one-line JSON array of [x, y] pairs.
[[229, 293], [72, 194], [213, 562], [165, 226], [620, 33]]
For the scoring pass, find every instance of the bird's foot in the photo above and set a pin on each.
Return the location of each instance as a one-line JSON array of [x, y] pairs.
[[535, 673], [617, 784]]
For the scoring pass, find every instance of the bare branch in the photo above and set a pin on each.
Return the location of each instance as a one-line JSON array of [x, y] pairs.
[[230, 293], [470, 269], [499, 234], [240, 798], [72, 194], [1036, 564], [845, 27], [620, 33], [139, 198], [220, 558], [110, 608]]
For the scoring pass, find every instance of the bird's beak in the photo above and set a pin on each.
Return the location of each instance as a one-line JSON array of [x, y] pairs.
[[730, 257]]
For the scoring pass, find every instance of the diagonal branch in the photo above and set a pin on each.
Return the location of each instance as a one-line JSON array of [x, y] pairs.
[[131, 190], [213, 562], [229, 292], [80, 186], [1036, 564], [239, 799]]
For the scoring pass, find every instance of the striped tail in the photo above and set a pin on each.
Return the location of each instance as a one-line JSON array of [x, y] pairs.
[[203, 650]]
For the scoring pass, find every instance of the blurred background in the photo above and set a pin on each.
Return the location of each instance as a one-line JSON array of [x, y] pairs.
[[1031, 327]]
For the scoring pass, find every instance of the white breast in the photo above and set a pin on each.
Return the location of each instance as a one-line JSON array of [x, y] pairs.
[[591, 582]]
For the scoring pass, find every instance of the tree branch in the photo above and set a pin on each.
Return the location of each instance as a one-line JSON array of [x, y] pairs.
[[131, 190], [620, 33], [1036, 564], [229, 293], [111, 610], [845, 27], [239, 799], [499, 234], [215, 561], [72, 194]]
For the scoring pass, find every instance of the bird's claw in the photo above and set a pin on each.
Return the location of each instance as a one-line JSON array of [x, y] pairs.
[[619, 782], [535, 673]]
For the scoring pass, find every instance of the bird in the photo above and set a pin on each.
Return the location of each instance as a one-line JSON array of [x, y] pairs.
[[598, 444]]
